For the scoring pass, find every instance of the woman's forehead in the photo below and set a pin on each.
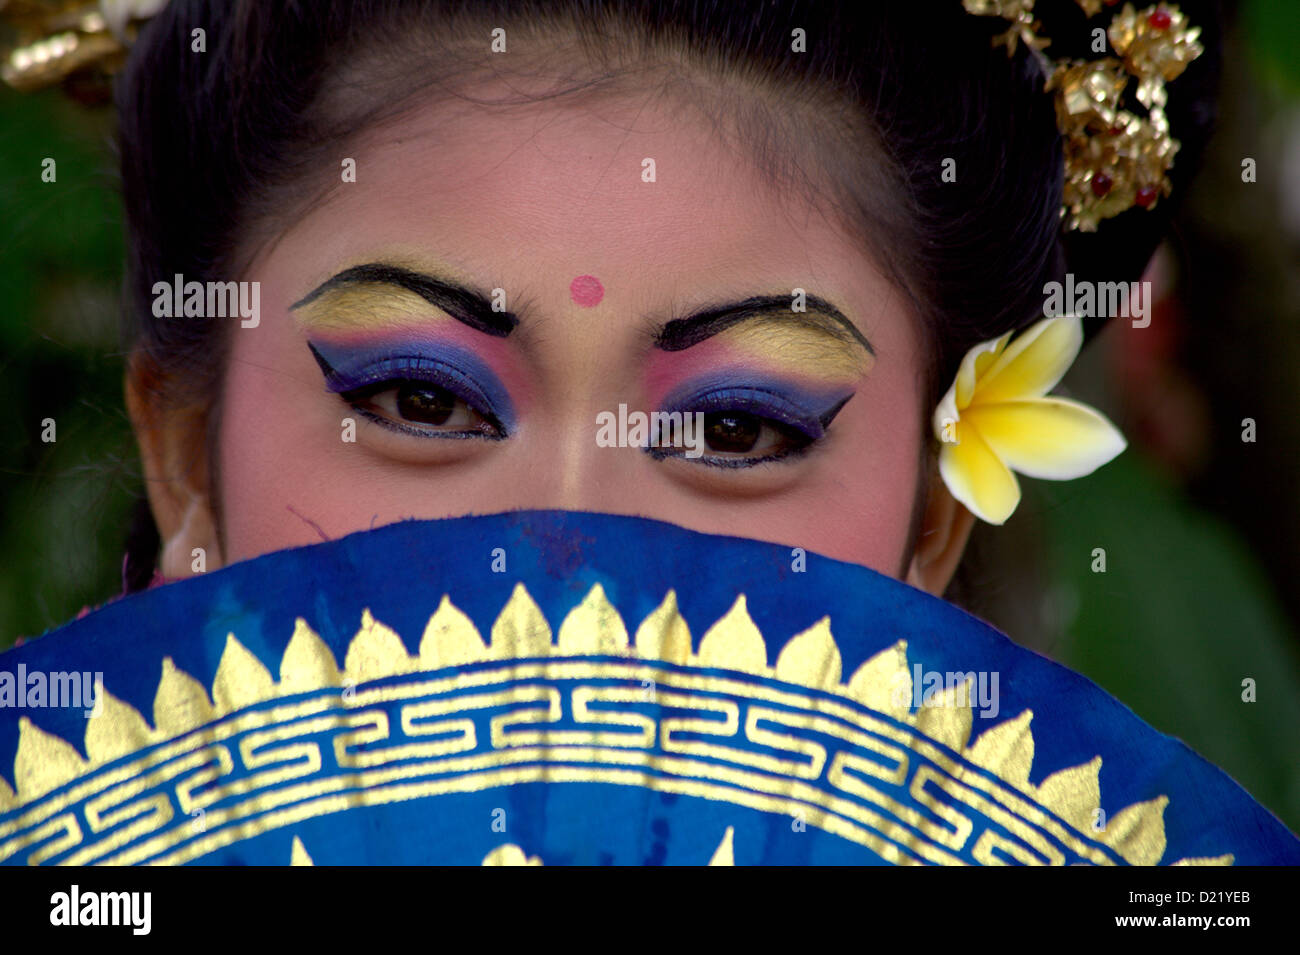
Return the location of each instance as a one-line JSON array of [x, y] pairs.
[[653, 202]]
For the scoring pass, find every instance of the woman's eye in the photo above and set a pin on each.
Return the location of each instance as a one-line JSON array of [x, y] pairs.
[[426, 405], [423, 408], [729, 432], [740, 437], [738, 427]]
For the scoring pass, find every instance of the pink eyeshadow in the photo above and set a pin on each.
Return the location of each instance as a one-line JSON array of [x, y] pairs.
[[586, 290]]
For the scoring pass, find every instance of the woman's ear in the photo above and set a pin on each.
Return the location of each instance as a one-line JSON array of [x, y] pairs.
[[173, 450], [945, 528]]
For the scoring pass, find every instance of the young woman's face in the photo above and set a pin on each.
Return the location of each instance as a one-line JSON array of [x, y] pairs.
[[374, 390]]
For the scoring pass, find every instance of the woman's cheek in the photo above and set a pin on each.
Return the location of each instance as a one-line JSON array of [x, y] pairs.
[[858, 506], [285, 463]]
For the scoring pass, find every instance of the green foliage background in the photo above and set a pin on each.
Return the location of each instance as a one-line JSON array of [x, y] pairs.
[[65, 503]]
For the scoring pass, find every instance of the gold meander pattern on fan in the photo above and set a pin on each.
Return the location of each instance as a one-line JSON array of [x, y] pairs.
[[73, 808]]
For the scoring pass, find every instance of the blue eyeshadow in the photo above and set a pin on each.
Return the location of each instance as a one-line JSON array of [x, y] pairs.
[[349, 368], [808, 411]]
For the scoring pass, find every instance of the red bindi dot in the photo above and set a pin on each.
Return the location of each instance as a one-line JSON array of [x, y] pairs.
[[586, 290]]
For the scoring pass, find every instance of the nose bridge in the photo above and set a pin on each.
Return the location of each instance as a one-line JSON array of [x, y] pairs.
[[566, 467], [579, 475], [579, 463], [584, 371]]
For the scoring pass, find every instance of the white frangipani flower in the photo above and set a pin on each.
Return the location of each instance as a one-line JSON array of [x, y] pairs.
[[996, 419]]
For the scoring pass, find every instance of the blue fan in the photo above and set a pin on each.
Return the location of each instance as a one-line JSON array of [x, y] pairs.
[[549, 687]]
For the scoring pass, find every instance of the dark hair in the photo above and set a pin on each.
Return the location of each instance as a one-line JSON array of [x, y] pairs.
[[215, 145]]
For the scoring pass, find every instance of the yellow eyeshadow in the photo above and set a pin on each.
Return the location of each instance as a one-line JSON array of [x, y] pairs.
[[804, 348], [362, 307]]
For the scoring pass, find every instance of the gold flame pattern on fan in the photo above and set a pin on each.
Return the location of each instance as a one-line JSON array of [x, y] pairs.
[[811, 659]]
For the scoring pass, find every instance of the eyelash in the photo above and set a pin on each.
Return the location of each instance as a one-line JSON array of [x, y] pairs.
[[391, 374], [401, 427], [799, 450], [772, 409]]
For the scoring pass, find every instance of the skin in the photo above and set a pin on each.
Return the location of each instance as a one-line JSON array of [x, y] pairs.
[[527, 202]]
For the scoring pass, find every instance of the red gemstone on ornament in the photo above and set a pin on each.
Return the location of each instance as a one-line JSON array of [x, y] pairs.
[[1111, 3], [1101, 184], [1146, 196], [1160, 19]]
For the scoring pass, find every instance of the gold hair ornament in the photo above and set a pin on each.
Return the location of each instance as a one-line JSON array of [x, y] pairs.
[[47, 41], [1114, 158]]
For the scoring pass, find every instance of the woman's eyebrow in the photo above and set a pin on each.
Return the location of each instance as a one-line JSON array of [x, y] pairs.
[[682, 333], [466, 305]]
